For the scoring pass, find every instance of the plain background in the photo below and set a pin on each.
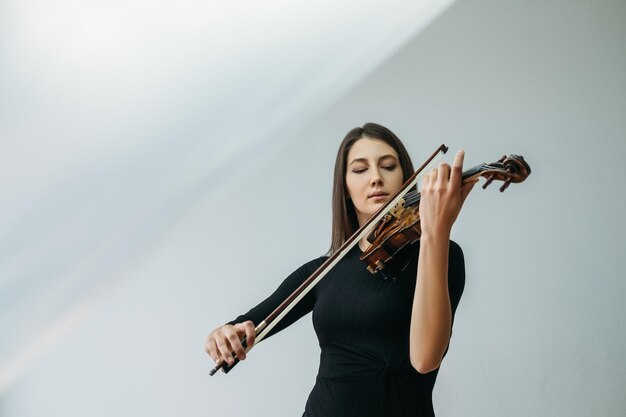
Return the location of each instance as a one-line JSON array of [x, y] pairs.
[[540, 328]]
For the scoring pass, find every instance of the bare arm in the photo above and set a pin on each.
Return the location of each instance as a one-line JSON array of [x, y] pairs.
[[442, 197]]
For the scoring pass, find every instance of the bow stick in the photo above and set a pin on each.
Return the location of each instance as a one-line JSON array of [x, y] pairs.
[[263, 329]]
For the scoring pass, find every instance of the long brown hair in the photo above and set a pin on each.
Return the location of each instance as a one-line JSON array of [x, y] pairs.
[[345, 222]]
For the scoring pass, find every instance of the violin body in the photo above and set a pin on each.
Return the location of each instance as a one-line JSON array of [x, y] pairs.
[[392, 235]]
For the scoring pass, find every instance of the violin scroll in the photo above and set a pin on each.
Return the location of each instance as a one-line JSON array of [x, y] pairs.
[[512, 168]]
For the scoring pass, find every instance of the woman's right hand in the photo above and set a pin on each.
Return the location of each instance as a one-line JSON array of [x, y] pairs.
[[223, 341]]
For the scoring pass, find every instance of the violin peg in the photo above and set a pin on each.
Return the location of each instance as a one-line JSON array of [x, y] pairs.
[[489, 181], [505, 185]]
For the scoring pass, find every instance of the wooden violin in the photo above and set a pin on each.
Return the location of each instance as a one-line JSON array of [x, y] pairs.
[[401, 226]]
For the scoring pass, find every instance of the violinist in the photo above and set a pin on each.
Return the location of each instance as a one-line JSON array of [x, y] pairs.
[[382, 341]]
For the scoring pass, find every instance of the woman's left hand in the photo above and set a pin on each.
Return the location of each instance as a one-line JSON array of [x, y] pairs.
[[442, 196]]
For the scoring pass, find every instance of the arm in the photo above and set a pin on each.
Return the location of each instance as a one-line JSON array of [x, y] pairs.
[[224, 340], [432, 312]]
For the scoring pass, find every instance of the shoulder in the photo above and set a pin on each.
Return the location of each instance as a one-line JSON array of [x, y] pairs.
[[317, 262], [309, 267]]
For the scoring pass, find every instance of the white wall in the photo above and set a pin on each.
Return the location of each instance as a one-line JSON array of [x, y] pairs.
[[539, 327]]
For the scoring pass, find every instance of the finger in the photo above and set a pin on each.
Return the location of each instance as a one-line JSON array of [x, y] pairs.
[[239, 328], [212, 351], [207, 345], [211, 348], [226, 340], [237, 347], [224, 350], [433, 177], [457, 169], [425, 181], [250, 334], [246, 329], [443, 174]]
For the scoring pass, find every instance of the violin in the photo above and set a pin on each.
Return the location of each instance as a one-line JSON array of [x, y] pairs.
[[397, 227], [400, 227]]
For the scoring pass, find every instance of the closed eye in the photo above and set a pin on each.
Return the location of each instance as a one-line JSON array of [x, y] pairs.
[[361, 170]]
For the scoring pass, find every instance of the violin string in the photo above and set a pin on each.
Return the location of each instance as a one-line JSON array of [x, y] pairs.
[[414, 197]]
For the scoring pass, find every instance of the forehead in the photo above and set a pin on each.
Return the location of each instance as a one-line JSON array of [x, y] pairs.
[[371, 149]]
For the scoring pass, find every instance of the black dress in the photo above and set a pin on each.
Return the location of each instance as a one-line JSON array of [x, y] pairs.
[[362, 323]]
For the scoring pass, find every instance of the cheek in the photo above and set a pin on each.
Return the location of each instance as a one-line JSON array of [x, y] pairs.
[[396, 182], [399, 179], [353, 185]]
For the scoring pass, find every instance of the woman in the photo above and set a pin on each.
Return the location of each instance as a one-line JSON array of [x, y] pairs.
[[381, 341]]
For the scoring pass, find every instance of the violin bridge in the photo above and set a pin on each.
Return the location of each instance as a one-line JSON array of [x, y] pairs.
[[398, 209]]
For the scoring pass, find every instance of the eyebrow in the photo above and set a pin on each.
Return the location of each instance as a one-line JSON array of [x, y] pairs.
[[379, 159]]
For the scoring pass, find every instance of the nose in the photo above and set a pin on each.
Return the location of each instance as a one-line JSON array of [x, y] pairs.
[[376, 179]]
